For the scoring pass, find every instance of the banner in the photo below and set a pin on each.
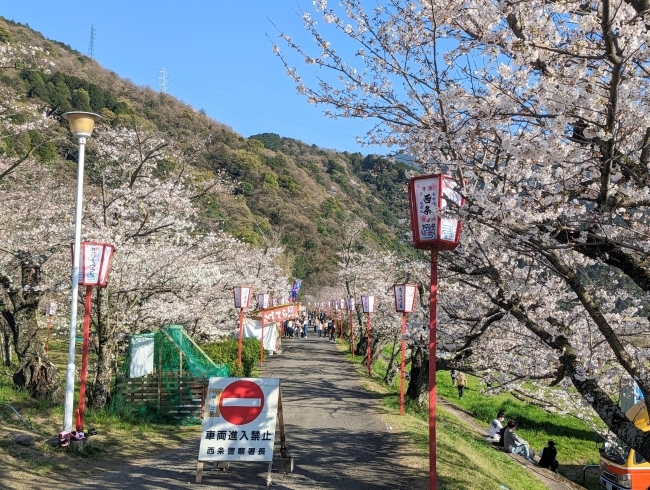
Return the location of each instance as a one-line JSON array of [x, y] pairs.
[[295, 289]]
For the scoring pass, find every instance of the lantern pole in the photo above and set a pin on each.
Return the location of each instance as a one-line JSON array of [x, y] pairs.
[[49, 326], [433, 312], [402, 375], [369, 349], [241, 335], [351, 335], [262, 346], [84, 359]]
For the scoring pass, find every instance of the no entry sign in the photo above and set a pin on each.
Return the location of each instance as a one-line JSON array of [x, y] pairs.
[[241, 402], [240, 417]]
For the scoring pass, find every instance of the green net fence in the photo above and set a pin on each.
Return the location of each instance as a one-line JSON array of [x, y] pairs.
[[165, 375]]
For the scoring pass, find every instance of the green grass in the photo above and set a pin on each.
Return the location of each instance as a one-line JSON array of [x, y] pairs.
[[574, 440]]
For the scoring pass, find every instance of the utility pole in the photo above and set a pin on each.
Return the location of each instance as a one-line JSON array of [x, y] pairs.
[[162, 79], [91, 44]]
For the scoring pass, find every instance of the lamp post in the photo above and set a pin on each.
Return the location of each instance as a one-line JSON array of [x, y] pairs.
[[81, 126], [95, 263], [404, 303], [368, 306], [263, 302], [242, 300], [428, 197], [341, 305], [351, 308]]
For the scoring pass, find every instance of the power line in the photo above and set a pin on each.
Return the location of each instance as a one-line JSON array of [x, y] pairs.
[[162, 79], [91, 44]]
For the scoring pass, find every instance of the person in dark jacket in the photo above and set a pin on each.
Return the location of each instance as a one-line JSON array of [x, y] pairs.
[[547, 458]]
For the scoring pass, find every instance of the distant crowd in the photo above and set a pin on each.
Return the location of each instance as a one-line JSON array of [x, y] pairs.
[[320, 324]]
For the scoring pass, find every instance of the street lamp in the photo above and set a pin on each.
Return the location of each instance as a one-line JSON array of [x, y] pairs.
[[81, 126], [242, 300], [368, 306], [263, 302], [428, 197], [351, 308], [404, 303], [95, 263]]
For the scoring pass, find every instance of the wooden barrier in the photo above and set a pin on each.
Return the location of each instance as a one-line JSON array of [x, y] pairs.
[[180, 396]]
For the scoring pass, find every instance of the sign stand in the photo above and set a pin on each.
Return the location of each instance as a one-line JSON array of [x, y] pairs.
[[233, 404]]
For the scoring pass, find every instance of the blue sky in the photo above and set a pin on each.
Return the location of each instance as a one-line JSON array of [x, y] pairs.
[[216, 55]]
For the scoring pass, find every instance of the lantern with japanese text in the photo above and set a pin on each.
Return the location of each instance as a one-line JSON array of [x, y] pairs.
[[94, 264], [429, 197], [263, 301], [242, 296], [404, 303], [351, 307], [50, 311]]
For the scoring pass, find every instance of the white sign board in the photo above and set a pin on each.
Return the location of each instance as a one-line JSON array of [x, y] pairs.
[[239, 421]]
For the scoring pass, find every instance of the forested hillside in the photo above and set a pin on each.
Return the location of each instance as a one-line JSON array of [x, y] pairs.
[[296, 193]]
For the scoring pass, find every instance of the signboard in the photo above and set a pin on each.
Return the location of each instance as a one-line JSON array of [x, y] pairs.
[[279, 314], [50, 308], [240, 419]]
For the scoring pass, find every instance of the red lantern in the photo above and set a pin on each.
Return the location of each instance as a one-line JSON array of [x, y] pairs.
[[429, 195], [405, 297]]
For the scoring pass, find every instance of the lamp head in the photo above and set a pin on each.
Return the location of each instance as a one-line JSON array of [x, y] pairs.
[[81, 123]]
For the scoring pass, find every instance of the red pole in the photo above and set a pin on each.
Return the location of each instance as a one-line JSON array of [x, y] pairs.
[[401, 381], [262, 345], [241, 335], [368, 349], [433, 313], [84, 358], [47, 339], [351, 335]]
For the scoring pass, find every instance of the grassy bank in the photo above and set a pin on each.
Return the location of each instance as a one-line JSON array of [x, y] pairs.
[[464, 460]]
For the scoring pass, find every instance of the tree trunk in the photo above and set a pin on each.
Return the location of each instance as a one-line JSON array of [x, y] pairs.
[[35, 372], [106, 350], [392, 369], [6, 345], [418, 388]]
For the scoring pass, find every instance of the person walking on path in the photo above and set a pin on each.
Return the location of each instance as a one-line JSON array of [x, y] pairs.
[[461, 382]]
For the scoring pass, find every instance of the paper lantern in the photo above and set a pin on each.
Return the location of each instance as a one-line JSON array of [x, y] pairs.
[[404, 297], [368, 304], [351, 304], [243, 296], [94, 263], [429, 195], [263, 301]]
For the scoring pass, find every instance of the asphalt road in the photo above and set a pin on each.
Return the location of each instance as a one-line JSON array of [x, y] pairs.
[[334, 432]]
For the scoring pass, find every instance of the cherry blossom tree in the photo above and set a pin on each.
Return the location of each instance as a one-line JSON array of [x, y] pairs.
[[539, 109]]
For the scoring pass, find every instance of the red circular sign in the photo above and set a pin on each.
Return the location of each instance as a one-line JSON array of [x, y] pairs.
[[241, 402]]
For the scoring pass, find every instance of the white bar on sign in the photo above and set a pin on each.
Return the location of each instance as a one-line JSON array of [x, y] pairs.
[[241, 402]]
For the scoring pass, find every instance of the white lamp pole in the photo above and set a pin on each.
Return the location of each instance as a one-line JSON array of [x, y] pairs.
[[81, 126]]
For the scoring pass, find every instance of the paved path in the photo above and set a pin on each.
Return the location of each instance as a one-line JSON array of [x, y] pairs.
[[334, 432]]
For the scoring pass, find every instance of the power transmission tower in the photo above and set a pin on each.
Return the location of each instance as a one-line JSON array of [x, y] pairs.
[[91, 45], [162, 79]]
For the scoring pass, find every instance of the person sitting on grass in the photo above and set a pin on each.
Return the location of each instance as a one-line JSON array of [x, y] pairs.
[[515, 444], [495, 426], [547, 457]]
